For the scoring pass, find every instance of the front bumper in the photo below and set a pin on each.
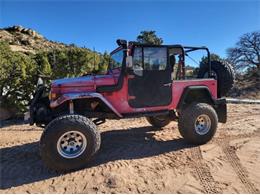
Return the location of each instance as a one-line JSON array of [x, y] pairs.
[[31, 115], [26, 117]]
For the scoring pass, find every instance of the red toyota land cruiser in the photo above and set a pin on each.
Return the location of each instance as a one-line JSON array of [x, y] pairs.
[[142, 81]]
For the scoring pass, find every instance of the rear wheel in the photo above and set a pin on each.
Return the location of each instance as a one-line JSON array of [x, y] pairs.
[[69, 142], [158, 121], [198, 123]]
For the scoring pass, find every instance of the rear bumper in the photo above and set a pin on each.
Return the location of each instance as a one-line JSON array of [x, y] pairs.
[[220, 106]]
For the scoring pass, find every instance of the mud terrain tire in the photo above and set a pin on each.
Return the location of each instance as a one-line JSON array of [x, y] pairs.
[[224, 73], [60, 127], [158, 121], [189, 123]]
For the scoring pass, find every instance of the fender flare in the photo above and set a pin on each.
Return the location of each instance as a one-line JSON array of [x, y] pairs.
[[192, 89], [74, 96], [218, 104]]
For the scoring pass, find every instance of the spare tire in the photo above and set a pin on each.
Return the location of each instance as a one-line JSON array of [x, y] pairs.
[[222, 71]]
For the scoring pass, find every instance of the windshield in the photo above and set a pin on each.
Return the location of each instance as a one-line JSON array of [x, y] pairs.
[[116, 59]]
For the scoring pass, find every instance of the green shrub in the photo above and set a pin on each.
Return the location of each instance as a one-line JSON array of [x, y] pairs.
[[19, 72], [17, 77]]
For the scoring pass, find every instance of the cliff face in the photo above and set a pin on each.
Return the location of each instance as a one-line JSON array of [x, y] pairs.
[[27, 40]]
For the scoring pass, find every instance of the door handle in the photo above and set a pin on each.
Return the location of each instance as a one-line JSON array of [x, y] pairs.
[[167, 84]]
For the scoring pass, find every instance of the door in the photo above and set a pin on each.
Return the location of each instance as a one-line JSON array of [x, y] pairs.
[[149, 81]]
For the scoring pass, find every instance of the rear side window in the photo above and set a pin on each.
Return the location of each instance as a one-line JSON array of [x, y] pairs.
[[154, 58]]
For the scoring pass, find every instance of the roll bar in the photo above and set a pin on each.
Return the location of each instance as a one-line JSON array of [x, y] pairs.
[[185, 50], [188, 49]]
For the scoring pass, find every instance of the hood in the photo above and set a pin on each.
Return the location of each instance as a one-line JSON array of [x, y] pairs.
[[82, 84], [77, 81]]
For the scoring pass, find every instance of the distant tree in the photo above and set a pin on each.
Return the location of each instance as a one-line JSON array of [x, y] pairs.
[[104, 63], [213, 57], [43, 65], [149, 37], [246, 53]]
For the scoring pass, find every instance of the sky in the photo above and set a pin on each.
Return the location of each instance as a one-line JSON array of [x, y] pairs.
[[97, 24]]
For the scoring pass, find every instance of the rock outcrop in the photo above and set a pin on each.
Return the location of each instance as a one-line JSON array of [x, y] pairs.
[[27, 40]]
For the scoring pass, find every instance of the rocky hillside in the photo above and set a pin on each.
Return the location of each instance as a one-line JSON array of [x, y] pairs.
[[27, 40], [247, 86], [26, 54]]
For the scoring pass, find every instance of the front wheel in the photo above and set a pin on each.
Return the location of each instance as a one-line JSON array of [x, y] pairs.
[[69, 142], [198, 123]]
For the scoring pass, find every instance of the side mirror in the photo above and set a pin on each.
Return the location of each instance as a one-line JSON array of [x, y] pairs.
[[40, 81], [129, 61]]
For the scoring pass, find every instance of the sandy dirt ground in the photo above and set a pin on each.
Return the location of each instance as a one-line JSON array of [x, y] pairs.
[[136, 158]]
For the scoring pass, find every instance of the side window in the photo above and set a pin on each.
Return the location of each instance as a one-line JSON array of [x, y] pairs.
[[192, 63], [174, 61], [138, 59], [155, 58], [116, 59]]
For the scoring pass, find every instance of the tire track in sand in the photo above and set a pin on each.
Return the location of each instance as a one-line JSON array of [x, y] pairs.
[[21, 164], [203, 172], [241, 172]]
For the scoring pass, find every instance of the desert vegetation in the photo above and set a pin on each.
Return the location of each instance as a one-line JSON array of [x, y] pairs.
[[23, 59]]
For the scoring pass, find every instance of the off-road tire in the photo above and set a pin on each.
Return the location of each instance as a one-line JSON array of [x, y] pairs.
[[52, 133], [225, 75], [187, 118], [158, 121]]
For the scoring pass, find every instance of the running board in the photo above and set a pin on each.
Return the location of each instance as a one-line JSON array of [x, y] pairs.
[[143, 114]]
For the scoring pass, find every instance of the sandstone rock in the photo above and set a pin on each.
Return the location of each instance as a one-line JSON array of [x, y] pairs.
[[18, 28], [27, 40]]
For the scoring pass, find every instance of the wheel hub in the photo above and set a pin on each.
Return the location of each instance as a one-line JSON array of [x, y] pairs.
[[202, 124], [71, 144]]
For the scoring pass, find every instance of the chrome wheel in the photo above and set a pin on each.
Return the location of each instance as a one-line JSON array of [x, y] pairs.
[[71, 144], [202, 124]]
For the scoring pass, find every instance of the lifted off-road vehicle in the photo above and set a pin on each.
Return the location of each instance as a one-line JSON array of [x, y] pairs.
[[142, 81]]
